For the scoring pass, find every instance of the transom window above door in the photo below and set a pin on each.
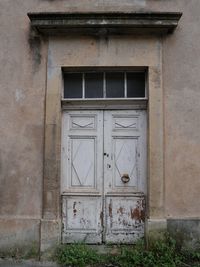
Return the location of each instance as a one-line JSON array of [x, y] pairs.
[[104, 85]]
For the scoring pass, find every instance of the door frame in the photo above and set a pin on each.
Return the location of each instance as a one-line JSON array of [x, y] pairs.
[[51, 214]]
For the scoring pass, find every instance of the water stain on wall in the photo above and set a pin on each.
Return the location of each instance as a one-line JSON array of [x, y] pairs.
[[35, 43]]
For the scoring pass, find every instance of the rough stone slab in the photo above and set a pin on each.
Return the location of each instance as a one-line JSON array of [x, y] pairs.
[[185, 231], [50, 234], [19, 232]]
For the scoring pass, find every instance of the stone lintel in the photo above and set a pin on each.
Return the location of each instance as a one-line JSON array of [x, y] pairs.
[[96, 23]]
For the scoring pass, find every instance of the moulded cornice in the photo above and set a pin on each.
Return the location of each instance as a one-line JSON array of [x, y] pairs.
[[105, 23]]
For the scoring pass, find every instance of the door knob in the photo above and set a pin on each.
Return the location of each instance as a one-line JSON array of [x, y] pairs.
[[125, 178]]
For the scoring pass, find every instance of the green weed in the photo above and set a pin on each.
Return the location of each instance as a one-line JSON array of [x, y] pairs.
[[162, 253], [77, 255]]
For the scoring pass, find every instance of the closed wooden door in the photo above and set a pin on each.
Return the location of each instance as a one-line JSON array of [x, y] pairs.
[[124, 175], [103, 176]]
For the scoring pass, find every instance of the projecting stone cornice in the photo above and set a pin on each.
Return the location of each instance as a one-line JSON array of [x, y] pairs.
[[105, 23]]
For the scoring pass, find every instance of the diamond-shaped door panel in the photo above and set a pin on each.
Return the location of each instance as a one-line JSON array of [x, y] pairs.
[[125, 160], [83, 162]]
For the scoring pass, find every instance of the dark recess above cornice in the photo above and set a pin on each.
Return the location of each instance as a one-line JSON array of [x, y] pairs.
[[106, 23]]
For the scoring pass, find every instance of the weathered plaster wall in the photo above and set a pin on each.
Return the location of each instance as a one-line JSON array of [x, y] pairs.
[[180, 80], [22, 105], [22, 90], [181, 63]]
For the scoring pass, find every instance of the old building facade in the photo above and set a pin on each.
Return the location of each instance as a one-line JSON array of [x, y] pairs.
[[99, 121]]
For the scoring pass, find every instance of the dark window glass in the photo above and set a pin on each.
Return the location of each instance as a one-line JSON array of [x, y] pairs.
[[94, 85], [73, 85], [115, 84], [135, 84]]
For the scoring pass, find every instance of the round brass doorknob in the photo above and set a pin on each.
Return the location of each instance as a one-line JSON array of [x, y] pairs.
[[125, 178]]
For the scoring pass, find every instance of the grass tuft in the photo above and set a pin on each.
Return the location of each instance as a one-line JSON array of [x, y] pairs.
[[162, 253], [77, 255]]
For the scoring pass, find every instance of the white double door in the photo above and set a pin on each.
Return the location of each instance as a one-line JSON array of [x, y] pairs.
[[103, 180]]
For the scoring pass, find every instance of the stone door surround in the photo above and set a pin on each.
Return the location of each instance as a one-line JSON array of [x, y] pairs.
[[94, 42]]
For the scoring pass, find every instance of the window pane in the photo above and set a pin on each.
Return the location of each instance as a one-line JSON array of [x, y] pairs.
[[73, 85], [115, 84], [135, 84], [94, 85]]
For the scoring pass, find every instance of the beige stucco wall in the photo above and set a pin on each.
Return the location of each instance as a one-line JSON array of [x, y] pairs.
[[22, 105], [182, 125]]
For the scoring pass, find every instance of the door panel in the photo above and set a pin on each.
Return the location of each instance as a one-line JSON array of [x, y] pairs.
[[124, 175], [82, 176], [82, 219], [82, 168], [125, 218]]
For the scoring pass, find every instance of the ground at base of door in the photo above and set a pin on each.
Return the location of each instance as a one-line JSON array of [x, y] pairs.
[[26, 263], [32, 263]]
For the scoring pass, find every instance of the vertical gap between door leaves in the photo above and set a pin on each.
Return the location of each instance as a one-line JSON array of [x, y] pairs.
[[103, 189]]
